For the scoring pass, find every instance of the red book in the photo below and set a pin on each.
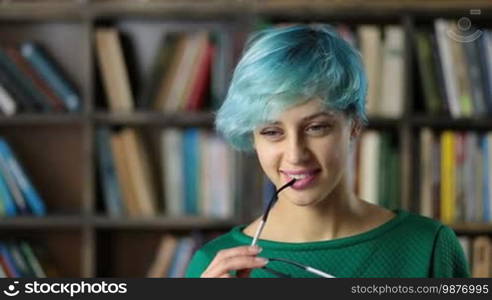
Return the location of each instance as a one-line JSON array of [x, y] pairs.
[[201, 80]]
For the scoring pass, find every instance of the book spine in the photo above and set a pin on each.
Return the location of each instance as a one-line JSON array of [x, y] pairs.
[[59, 84], [8, 261], [6, 198], [110, 184], [31, 195]]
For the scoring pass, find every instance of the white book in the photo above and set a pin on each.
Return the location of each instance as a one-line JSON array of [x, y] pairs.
[[370, 47], [465, 244], [447, 65], [369, 161], [172, 170], [426, 170], [7, 103], [393, 73]]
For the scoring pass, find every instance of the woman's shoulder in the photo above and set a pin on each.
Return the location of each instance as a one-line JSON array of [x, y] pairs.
[[418, 225]]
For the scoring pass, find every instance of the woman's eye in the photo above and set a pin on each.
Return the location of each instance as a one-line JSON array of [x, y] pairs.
[[271, 132], [317, 129]]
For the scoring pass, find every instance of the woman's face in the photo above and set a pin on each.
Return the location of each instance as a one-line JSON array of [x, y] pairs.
[[308, 143]]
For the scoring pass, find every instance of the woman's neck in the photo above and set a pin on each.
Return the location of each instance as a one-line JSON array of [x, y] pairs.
[[340, 215]]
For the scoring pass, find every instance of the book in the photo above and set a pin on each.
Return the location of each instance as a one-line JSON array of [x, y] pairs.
[[191, 152], [52, 74], [19, 95], [371, 49], [114, 70], [448, 68], [6, 198], [172, 169], [368, 171], [13, 188], [448, 177], [33, 199], [482, 257], [140, 173], [32, 260], [48, 95], [22, 82], [163, 257], [426, 205], [123, 174], [107, 172], [393, 73], [8, 262], [200, 82], [160, 69], [8, 106]]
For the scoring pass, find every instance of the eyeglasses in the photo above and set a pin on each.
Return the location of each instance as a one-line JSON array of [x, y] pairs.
[[259, 230]]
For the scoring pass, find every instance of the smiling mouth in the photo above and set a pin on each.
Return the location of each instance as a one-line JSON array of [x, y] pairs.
[[303, 180]]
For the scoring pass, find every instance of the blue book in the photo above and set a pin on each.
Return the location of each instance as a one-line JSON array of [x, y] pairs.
[[6, 198], [191, 171], [110, 184], [32, 197], [9, 260], [485, 177], [52, 75]]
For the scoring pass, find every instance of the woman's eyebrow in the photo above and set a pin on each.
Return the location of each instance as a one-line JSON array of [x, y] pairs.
[[307, 118], [320, 114]]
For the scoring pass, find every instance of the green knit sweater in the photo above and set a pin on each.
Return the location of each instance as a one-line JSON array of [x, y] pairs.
[[409, 245]]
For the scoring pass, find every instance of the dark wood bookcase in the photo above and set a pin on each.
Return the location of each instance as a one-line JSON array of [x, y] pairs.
[[58, 149]]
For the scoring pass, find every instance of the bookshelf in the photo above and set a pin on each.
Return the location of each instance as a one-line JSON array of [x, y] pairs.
[[59, 150]]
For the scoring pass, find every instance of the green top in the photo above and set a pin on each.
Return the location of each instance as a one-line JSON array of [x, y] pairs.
[[409, 245]]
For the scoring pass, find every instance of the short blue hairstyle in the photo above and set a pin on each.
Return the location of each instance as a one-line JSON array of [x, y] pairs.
[[285, 66]]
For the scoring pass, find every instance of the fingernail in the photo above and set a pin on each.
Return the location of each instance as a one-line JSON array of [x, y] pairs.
[[256, 249], [261, 260]]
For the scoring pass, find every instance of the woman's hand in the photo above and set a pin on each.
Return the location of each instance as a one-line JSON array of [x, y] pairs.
[[241, 259]]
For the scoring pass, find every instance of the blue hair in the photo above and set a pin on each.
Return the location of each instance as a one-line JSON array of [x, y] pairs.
[[285, 66]]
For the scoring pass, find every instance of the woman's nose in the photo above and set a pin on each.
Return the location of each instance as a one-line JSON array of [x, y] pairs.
[[296, 151]]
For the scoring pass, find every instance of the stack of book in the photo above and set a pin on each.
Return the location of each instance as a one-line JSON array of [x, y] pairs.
[[30, 82]]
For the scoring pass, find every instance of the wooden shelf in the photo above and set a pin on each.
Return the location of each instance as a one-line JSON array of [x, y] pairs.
[[162, 223], [43, 119], [439, 122], [49, 222], [472, 228], [154, 118]]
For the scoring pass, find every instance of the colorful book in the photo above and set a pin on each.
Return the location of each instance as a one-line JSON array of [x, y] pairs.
[[191, 170], [6, 198], [172, 168], [448, 177], [8, 262]]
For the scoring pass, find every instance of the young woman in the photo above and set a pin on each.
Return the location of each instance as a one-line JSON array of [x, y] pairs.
[[297, 99]]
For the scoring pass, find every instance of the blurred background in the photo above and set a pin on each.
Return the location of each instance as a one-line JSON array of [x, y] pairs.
[[109, 165]]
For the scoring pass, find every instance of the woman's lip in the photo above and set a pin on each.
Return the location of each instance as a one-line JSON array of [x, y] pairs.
[[302, 172], [303, 183]]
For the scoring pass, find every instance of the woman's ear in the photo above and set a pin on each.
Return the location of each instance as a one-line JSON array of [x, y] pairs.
[[355, 129]]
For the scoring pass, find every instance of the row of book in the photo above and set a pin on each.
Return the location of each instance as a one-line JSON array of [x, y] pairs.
[[21, 259], [478, 251], [196, 174], [31, 82], [375, 170], [455, 68], [455, 175], [188, 69], [18, 196]]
